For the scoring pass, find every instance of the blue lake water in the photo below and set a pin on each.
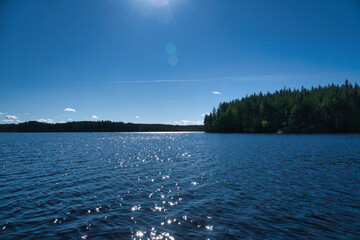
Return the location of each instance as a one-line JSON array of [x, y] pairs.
[[179, 186]]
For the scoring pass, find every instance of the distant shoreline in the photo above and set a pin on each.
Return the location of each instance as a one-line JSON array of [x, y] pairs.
[[97, 126], [148, 132]]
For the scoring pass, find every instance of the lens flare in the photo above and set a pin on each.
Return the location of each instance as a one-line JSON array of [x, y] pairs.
[[170, 48], [173, 60], [164, 15]]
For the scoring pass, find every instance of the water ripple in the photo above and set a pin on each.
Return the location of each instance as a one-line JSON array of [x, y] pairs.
[[179, 186]]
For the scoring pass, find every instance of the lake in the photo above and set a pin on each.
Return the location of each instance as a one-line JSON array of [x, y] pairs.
[[179, 186]]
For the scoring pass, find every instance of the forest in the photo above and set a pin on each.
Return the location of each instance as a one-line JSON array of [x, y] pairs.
[[92, 126], [328, 109]]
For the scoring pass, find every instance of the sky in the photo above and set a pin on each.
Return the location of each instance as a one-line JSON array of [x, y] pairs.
[[166, 61]]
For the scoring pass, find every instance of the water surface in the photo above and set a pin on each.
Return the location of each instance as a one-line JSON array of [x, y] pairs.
[[179, 186]]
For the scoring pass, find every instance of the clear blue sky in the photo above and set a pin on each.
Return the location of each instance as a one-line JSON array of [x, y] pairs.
[[166, 61]]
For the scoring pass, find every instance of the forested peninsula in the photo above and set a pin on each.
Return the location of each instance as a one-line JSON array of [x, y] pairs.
[[329, 109], [98, 126]]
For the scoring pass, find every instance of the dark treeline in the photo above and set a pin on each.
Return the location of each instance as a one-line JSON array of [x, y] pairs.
[[330, 109], [99, 126]]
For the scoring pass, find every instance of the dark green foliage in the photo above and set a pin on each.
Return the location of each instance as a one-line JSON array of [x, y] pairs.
[[331, 109], [100, 126]]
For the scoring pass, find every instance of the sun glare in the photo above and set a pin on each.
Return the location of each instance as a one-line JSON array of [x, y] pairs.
[[159, 3]]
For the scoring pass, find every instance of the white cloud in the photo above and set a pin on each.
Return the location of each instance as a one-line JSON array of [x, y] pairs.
[[203, 115], [11, 117], [45, 120], [69, 119], [223, 78], [8, 120], [94, 117], [69, 110], [1, 113], [137, 117], [188, 122], [216, 92]]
